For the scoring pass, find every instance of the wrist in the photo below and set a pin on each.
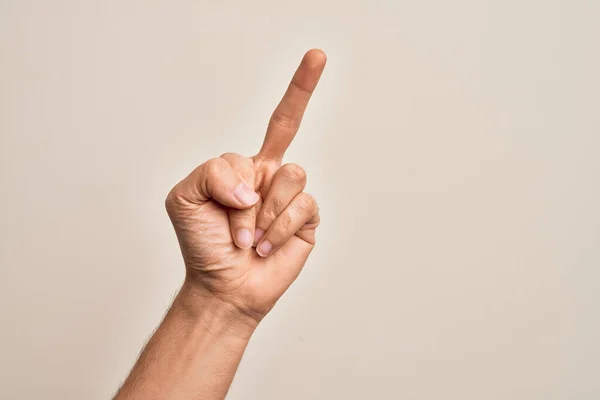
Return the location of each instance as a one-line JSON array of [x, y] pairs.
[[213, 315]]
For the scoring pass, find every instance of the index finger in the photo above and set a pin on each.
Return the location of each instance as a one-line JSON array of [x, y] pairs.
[[286, 118]]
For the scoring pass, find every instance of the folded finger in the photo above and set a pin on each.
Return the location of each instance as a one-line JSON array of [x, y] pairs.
[[288, 181], [301, 211]]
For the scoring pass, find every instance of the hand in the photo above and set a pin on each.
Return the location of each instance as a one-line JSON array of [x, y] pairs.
[[230, 203]]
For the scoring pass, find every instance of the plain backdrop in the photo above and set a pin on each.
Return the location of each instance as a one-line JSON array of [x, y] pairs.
[[453, 147]]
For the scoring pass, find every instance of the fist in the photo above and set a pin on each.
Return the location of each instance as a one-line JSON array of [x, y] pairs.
[[245, 225]]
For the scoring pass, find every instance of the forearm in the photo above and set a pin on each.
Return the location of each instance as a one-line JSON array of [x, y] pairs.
[[193, 354]]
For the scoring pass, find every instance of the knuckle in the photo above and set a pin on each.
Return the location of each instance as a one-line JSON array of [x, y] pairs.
[[276, 207], [269, 214], [229, 155], [242, 165], [294, 172], [242, 217], [271, 210], [236, 159], [285, 120], [285, 222], [172, 200], [306, 204], [214, 166], [211, 174], [316, 220]]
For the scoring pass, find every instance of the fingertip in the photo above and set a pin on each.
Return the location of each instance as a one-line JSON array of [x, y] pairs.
[[245, 195], [264, 248], [315, 58], [244, 239]]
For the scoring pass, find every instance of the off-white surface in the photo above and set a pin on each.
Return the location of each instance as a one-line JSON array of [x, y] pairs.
[[454, 148]]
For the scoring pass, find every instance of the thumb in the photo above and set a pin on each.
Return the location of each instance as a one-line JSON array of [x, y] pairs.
[[216, 180]]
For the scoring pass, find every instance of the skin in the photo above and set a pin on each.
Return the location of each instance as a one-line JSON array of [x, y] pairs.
[[245, 227]]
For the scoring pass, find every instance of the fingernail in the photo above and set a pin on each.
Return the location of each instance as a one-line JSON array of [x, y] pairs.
[[245, 195], [244, 239], [264, 248], [258, 234]]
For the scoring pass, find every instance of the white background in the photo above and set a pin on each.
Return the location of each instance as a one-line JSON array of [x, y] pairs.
[[453, 148]]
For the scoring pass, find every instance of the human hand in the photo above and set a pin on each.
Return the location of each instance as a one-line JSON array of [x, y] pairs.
[[231, 202]]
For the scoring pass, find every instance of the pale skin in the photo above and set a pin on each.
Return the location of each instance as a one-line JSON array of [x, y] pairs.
[[245, 227]]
